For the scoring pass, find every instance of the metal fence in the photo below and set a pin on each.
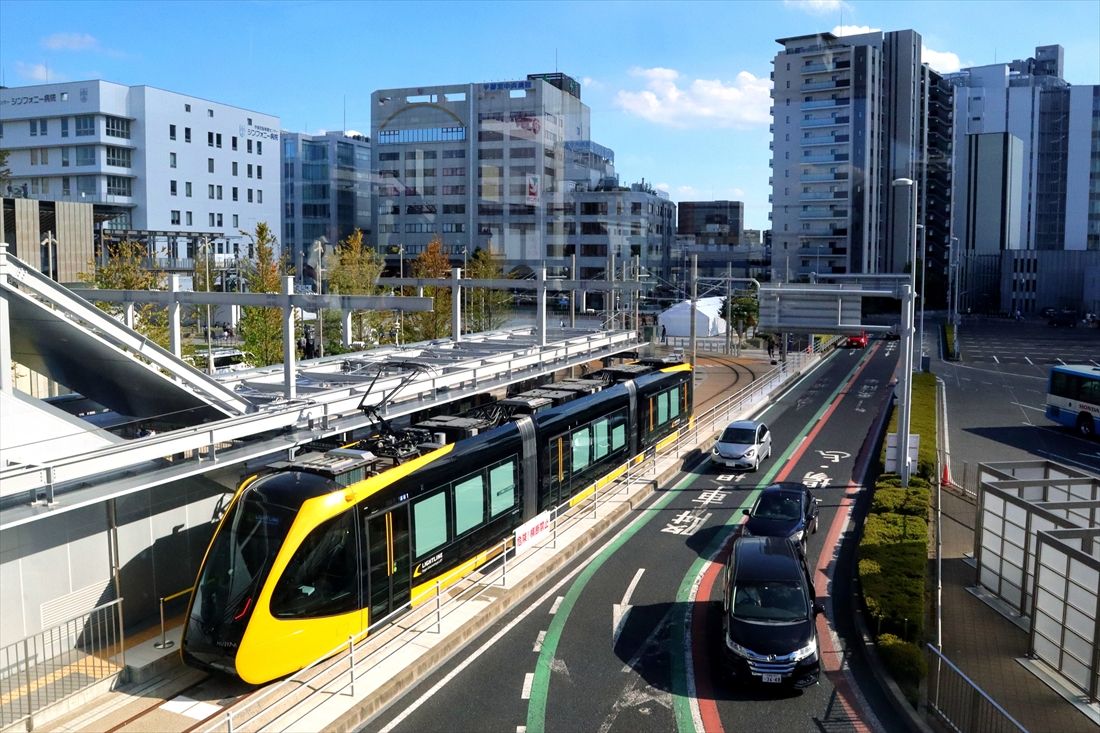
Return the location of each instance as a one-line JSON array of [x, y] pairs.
[[44, 669], [958, 702], [338, 671]]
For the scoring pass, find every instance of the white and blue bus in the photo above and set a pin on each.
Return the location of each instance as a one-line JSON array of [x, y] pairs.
[[1073, 398]]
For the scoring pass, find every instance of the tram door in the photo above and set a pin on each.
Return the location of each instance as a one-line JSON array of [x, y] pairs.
[[557, 486], [388, 562]]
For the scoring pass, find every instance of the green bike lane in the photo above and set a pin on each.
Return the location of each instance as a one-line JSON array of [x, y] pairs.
[[666, 657]]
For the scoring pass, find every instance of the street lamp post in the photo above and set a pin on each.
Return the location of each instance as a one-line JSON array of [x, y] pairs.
[[319, 247], [209, 345], [902, 453], [401, 275], [465, 299]]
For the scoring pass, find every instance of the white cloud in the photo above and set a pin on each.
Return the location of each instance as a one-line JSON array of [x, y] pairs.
[[591, 83], [71, 42], [36, 72], [818, 7], [738, 193], [944, 62], [744, 102], [853, 30]]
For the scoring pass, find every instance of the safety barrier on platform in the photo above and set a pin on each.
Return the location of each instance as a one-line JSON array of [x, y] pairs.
[[957, 701], [338, 671], [52, 665]]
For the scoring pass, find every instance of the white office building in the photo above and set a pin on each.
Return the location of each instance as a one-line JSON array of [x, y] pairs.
[[174, 166]]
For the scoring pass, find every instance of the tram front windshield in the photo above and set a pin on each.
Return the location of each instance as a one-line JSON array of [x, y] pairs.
[[239, 560]]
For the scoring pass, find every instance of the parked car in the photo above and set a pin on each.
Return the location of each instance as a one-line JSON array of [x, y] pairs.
[[769, 609], [743, 444], [893, 334], [786, 510], [1047, 312], [858, 341], [1064, 318]]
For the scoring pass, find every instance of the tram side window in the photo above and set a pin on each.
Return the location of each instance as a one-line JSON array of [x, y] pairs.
[[582, 446], [321, 578], [429, 523], [502, 487], [601, 444], [469, 503], [674, 403], [618, 430], [662, 408]]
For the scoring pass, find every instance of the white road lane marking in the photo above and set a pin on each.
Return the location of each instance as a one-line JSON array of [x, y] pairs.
[[528, 682], [1028, 407], [996, 359], [538, 642], [1029, 361], [619, 611], [1061, 362], [557, 602]]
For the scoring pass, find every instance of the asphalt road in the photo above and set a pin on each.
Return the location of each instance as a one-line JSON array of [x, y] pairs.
[[627, 636]]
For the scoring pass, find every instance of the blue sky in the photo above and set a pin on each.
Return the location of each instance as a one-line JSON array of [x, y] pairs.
[[678, 90]]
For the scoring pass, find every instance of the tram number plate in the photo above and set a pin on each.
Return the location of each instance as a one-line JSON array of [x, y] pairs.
[[774, 678]]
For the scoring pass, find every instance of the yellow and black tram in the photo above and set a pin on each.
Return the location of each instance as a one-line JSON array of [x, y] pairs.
[[318, 549]]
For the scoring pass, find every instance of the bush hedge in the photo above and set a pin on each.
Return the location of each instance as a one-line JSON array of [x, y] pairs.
[[913, 502], [905, 662]]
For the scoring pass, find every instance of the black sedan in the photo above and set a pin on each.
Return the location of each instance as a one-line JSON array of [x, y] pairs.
[[783, 510]]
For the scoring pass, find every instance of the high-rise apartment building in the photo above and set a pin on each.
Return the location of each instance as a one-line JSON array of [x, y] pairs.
[[1058, 128], [712, 222], [326, 190], [172, 166], [509, 167], [850, 115]]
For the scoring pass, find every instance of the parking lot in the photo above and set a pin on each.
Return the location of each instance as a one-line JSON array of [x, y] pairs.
[[1027, 343]]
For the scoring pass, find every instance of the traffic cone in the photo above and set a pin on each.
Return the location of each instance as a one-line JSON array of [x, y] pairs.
[[946, 480]]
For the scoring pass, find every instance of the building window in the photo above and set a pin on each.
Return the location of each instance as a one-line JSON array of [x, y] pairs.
[[171, 160], [118, 127], [389, 156], [233, 142], [65, 189], [259, 147], [64, 157], [187, 134], [235, 221], [234, 193], [186, 107], [210, 191], [85, 125], [188, 218], [250, 169], [219, 189], [211, 215], [119, 157], [172, 188], [119, 186], [248, 145], [64, 127], [209, 113], [171, 132], [175, 215], [209, 165], [259, 171], [209, 139], [259, 196], [34, 128], [85, 155], [250, 195], [219, 224], [423, 135], [187, 189], [234, 167], [218, 140]]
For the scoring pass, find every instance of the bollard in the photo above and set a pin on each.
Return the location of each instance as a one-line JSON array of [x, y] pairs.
[[438, 616], [351, 662], [228, 722], [504, 566], [163, 643]]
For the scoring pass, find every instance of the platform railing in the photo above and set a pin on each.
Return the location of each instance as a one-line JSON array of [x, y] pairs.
[[337, 671], [958, 702], [46, 668]]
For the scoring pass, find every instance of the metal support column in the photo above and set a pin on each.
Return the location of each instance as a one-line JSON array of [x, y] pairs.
[[175, 332], [345, 328], [540, 306], [6, 383], [128, 314], [905, 383], [694, 305], [456, 303], [288, 339], [573, 293]]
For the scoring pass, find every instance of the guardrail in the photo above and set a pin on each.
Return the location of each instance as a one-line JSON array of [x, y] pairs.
[[337, 671], [56, 663], [957, 701]]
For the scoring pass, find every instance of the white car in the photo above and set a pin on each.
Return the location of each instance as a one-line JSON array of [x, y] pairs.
[[743, 444]]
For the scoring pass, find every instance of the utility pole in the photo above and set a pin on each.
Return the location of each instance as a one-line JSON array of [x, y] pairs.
[[694, 305], [209, 325]]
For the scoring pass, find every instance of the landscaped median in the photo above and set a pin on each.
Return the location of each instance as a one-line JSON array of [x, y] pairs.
[[893, 551]]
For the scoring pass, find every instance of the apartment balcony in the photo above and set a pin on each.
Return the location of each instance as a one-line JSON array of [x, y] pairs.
[[831, 196], [817, 214], [835, 66], [831, 158], [824, 140], [821, 177], [815, 86], [831, 122], [827, 233], [826, 103]]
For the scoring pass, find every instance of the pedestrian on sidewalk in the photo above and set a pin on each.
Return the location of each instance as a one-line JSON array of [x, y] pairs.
[[664, 335]]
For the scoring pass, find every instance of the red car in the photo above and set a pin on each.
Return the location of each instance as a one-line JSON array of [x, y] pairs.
[[858, 341]]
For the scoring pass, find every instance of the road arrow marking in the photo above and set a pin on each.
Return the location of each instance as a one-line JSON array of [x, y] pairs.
[[619, 611]]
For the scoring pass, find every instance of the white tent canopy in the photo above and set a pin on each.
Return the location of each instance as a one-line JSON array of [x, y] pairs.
[[676, 321]]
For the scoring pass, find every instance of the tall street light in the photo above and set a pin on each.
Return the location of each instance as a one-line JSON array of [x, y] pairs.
[[953, 285], [209, 346], [319, 248], [902, 453]]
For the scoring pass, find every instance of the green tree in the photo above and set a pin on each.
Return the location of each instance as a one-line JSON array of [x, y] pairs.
[[435, 323], [744, 313], [261, 328], [125, 269], [355, 271], [5, 172], [486, 308]]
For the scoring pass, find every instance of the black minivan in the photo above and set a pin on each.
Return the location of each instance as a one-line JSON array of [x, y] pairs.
[[769, 613]]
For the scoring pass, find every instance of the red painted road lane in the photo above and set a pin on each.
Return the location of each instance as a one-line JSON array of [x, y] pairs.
[[704, 684]]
